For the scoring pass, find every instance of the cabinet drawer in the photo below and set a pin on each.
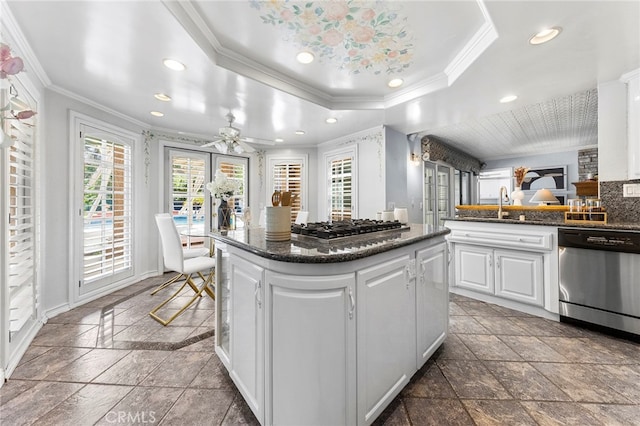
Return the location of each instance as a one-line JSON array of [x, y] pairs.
[[521, 240]]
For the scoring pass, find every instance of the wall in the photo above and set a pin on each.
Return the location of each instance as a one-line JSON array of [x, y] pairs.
[[568, 158]]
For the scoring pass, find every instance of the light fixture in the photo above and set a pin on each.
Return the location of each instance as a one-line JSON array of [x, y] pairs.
[[305, 57], [162, 97], [508, 98], [331, 120], [545, 35], [157, 114], [415, 159], [396, 82], [174, 65], [299, 132], [543, 197], [278, 140]]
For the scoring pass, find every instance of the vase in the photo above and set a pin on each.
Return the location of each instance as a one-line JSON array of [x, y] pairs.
[[517, 196], [224, 216]]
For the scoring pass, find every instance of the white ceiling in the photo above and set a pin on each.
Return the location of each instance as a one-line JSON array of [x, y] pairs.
[[457, 58]]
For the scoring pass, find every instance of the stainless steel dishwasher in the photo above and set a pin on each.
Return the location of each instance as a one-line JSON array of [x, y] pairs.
[[600, 278]]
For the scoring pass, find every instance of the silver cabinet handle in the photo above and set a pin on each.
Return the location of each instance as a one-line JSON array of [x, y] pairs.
[[258, 294], [352, 304]]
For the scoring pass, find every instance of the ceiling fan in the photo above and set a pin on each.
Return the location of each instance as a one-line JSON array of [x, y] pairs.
[[230, 141]]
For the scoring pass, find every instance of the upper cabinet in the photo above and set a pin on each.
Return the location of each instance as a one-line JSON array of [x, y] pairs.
[[632, 81]]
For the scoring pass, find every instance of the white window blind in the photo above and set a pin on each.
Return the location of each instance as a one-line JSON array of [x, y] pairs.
[[341, 188], [107, 213], [287, 176], [188, 176], [23, 297], [236, 171]]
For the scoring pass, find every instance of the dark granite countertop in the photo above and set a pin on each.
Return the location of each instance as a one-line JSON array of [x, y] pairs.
[[305, 249], [611, 226]]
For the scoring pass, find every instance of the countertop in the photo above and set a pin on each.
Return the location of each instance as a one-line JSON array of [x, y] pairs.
[[610, 226], [305, 249]]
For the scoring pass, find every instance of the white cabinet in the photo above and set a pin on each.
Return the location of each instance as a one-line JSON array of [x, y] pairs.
[[498, 262], [632, 80], [311, 349], [519, 276], [432, 301], [385, 332], [247, 332], [510, 274], [474, 268]]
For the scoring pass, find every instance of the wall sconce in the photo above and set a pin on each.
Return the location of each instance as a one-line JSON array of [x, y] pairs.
[[544, 197], [415, 159]]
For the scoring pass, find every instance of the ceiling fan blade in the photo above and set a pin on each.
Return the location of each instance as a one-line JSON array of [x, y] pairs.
[[257, 141], [245, 147], [208, 144]]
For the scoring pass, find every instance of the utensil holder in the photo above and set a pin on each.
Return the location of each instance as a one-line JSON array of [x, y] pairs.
[[278, 223]]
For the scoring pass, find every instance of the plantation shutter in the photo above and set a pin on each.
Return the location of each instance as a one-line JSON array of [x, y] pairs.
[[188, 173], [23, 297], [107, 212], [236, 170], [340, 188], [288, 177]]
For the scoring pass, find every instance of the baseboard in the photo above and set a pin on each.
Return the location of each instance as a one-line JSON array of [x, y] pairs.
[[17, 355]]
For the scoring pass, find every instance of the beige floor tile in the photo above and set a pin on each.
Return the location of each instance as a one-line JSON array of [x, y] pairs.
[[132, 368], [88, 367], [530, 348], [199, 407], [560, 414], [48, 363], [437, 412], [488, 347], [177, 370], [525, 382], [494, 413], [472, 380], [142, 406]]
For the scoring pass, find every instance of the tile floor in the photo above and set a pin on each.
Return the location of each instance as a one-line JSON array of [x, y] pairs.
[[108, 362]]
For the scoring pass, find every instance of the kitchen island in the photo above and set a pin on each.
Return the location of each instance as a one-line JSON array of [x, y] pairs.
[[328, 331]]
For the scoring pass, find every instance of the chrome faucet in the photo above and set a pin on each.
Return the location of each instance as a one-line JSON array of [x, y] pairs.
[[501, 198]]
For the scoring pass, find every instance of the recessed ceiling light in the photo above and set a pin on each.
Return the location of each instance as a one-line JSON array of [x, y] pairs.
[[174, 65], [396, 82], [507, 99], [305, 57], [278, 140], [299, 132], [331, 120], [545, 35], [157, 114], [162, 97]]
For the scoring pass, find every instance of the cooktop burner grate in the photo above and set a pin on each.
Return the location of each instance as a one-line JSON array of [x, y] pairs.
[[346, 228]]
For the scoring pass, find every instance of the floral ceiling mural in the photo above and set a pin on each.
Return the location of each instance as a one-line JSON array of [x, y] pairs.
[[359, 35]]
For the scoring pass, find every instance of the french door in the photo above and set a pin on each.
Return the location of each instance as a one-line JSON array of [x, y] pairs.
[[103, 205], [190, 204]]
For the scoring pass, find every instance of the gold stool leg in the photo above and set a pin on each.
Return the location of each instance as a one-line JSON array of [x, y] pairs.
[[167, 283], [205, 287]]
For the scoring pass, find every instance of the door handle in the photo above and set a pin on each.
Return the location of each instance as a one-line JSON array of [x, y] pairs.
[[352, 304], [258, 294]]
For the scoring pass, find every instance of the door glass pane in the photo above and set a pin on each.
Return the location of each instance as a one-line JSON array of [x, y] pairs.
[[187, 195], [107, 215], [444, 201], [429, 193], [340, 188], [236, 169]]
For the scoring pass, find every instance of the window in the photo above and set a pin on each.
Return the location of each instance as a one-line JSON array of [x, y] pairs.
[[188, 175], [21, 230], [103, 182], [236, 169], [289, 175], [341, 185]]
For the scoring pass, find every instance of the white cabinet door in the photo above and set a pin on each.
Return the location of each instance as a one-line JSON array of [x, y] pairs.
[[474, 268], [247, 337], [633, 123], [386, 334], [311, 352], [432, 301], [519, 276]]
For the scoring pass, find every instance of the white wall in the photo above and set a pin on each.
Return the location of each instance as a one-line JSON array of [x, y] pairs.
[[612, 131]]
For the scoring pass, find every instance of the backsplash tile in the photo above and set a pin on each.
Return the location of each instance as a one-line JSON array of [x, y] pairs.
[[619, 208]]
